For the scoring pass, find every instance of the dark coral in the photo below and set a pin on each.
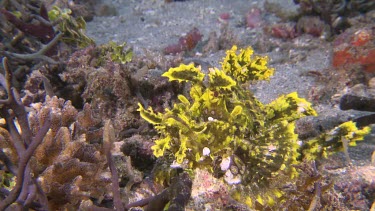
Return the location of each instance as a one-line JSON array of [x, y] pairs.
[[140, 152], [104, 87], [92, 76]]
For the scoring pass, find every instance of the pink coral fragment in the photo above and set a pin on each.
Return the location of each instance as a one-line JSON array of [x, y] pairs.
[[185, 43], [253, 18], [224, 16], [284, 31]]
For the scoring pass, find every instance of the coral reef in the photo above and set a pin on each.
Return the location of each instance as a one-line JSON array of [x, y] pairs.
[[21, 143], [323, 19], [94, 82], [38, 41], [73, 138], [352, 66]]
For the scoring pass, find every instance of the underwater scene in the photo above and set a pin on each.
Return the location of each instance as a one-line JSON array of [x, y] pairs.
[[187, 105]]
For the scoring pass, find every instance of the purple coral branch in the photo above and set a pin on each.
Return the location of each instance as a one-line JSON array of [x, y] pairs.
[[23, 163], [41, 196], [44, 32], [159, 201], [41, 54], [24, 143], [8, 163], [6, 81], [16, 105], [156, 202], [16, 137], [10, 102], [32, 190], [108, 138], [115, 183], [25, 186]]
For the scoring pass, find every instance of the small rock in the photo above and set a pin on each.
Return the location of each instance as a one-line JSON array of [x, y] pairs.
[[358, 90], [371, 83]]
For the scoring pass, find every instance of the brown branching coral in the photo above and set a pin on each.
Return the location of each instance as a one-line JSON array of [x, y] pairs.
[[66, 163], [53, 150]]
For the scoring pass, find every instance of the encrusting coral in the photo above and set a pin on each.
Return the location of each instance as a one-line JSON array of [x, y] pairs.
[[222, 127], [107, 76], [93, 77]]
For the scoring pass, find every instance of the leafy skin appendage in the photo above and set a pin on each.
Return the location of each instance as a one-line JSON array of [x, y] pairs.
[[223, 118]]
